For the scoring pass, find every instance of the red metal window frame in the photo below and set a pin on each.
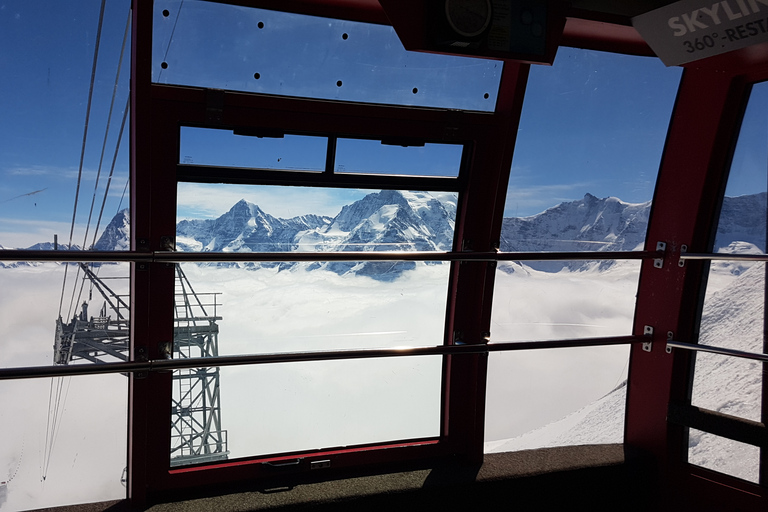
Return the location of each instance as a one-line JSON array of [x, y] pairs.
[[159, 110], [690, 181], [690, 186]]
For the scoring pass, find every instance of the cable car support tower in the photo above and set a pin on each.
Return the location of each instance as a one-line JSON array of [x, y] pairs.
[[196, 433]]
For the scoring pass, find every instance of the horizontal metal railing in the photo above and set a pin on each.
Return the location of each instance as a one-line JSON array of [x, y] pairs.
[[163, 365], [216, 257], [718, 350], [723, 257]]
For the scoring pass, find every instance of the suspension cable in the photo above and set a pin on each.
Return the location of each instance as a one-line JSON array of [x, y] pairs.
[[54, 400], [104, 144], [85, 137]]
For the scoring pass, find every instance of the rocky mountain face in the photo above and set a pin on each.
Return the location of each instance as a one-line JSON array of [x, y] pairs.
[[418, 221], [742, 219], [383, 221], [589, 224], [609, 224], [245, 228], [116, 236]]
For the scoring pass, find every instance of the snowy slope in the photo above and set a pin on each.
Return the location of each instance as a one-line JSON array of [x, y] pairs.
[[733, 318], [599, 422]]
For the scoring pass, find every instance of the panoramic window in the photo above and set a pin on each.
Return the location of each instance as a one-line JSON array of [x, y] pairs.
[[260, 307], [607, 115], [63, 186], [733, 314], [310, 57]]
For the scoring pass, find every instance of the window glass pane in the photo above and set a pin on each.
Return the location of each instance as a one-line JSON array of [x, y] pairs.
[[733, 311], [724, 455], [285, 306], [587, 153], [535, 305], [64, 440], [223, 148], [607, 116], [234, 218], [329, 404], [374, 157], [82, 309], [556, 397], [206, 44], [46, 57]]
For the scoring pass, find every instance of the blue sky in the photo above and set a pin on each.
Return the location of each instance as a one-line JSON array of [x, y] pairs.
[[46, 55], [592, 123]]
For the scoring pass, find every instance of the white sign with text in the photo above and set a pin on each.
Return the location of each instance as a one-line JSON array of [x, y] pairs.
[[690, 30]]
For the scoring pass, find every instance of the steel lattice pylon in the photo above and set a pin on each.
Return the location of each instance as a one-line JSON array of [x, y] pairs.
[[196, 433]]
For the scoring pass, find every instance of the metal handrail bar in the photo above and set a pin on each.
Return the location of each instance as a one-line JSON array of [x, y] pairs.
[[293, 357], [718, 350], [721, 256], [216, 257]]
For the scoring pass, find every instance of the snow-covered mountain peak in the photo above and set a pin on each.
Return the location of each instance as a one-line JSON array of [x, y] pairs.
[[116, 236]]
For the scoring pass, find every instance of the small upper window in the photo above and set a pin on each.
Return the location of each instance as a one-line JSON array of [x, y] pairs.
[[207, 44], [256, 150], [365, 156]]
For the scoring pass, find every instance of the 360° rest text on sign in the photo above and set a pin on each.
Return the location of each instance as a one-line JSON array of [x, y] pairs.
[[690, 30]]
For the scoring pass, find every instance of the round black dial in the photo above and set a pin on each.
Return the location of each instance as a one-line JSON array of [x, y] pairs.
[[468, 18]]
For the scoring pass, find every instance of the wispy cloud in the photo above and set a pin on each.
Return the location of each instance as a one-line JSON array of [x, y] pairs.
[[525, 200], [65, 173], [21, 233]]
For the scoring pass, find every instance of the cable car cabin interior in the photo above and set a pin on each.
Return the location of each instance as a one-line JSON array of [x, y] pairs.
[[367, 254]]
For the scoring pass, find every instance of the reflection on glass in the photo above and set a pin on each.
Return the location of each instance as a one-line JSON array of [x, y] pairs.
[[724, 455], [224, 148], [212, 45], [377, 157], [63, 448], [733, 313], [556, 397], [270, 409]]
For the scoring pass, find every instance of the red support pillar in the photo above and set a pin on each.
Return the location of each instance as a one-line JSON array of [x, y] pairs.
[[478, 229], [688, 191]]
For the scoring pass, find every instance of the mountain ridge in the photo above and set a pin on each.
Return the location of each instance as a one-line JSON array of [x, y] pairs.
[[419, 221]]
